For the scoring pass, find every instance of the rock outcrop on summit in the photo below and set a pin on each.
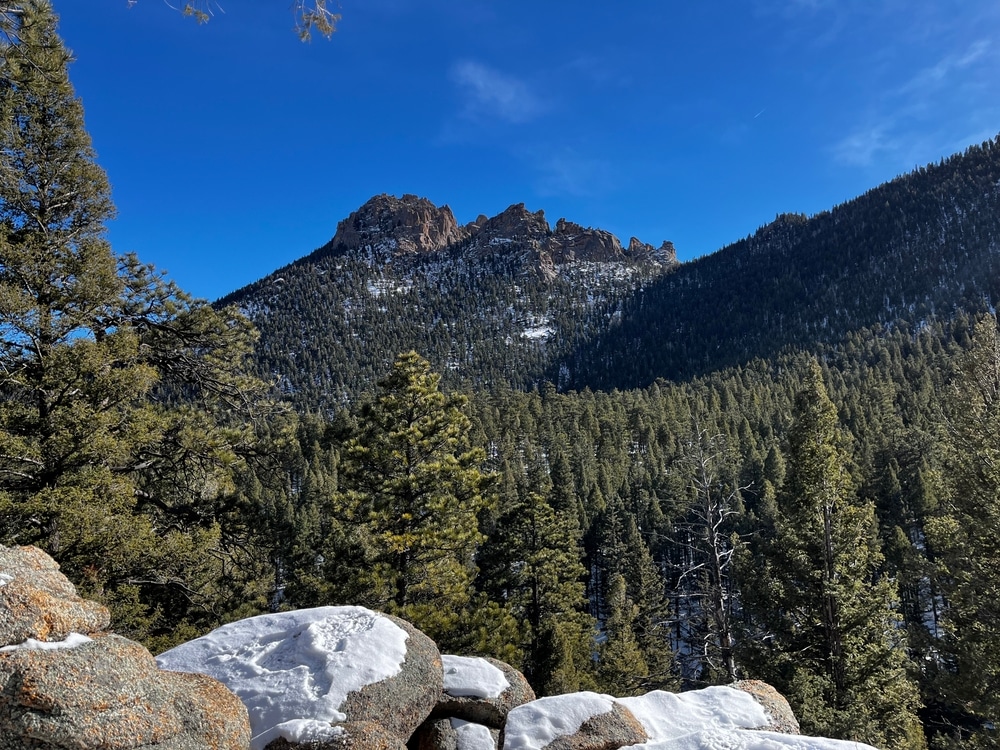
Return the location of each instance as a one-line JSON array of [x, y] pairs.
[[412, 225], [405, 225]]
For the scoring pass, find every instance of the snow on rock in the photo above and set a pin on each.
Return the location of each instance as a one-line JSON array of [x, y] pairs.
[[481, 690], [300, 731], [473, 736], [472, 677], [719, 718], [716, 718], [71, 641], [5, 578], [295, 665], [667, 716], [537, 724], [352, 735], [745, 739]]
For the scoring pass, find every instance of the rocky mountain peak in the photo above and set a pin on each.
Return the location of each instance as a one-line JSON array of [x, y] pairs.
[[516, 223], [639, 250], [572, 242], [409, 225]]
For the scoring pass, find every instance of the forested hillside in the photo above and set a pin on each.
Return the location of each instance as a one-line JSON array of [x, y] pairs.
[[822, 512], [918, 248]]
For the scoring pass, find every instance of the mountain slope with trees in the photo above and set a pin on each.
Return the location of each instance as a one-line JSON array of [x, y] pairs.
[[923, 246], [496, 301], [821, 513], [512, 300]]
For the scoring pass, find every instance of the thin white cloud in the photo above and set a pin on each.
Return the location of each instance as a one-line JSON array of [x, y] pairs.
[[569, 173], [490, 93], [929, 112], [938, 75], [862, 146]]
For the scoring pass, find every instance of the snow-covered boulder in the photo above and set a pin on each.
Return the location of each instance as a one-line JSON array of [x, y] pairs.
[[576, 721], [775, 705], [454, 734], [39, 602], [720, 718], [300, 673], [481, 690]]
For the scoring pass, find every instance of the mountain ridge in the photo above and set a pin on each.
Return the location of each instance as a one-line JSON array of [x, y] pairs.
[[510, 299], [494, 300]]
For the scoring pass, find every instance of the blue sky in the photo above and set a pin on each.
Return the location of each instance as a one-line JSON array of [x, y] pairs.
[[233, 148]]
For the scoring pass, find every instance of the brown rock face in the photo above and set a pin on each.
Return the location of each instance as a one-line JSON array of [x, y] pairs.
[[108, 693], [774, 703], [515, 223], [37, 601], [413, 224], [638, 250], [572, 242], [104, 691], [401, 703]]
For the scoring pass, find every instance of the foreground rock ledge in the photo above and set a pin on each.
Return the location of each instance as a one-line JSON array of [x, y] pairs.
[[64, 683]]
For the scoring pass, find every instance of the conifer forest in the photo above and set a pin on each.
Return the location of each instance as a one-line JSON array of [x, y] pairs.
[[780, 461]]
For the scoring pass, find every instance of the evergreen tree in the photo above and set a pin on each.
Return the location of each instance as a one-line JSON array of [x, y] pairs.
[[835, 646], [124, 422], [533, 564], [418, 487], [964, 535], [621, 553], [621, 670]]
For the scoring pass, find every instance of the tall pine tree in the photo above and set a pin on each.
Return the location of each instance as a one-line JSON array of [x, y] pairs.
[[418, 486], [963, 536], [124, 417], [833, 645]]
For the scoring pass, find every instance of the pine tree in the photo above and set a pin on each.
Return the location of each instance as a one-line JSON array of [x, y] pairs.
[[963, 536], [533, 563], [123, 419], [419, 489], [622, 670], [835, 646]]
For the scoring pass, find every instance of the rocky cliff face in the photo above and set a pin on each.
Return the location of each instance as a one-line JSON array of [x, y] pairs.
[[414, 226], [666, 254], [515, 223], [406, 225]]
